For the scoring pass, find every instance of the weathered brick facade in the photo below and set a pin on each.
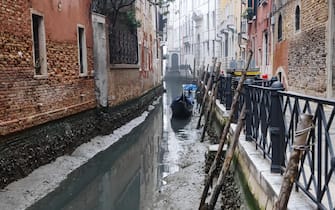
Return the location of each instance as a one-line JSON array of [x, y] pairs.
[[46, 116], [305, 64], [26, 100], [130, 81], [125, 89]]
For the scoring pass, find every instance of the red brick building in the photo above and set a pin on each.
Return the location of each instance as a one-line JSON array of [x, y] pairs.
[[304, 45], [58, 64], [46, 61]]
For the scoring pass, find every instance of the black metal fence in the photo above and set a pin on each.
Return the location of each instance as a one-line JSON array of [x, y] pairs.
[[271, 122]]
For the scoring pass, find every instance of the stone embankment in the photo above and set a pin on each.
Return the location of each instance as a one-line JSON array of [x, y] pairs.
[[23, 152]]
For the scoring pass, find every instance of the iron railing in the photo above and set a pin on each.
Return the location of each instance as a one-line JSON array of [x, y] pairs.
[[316, 173], [271, 122]]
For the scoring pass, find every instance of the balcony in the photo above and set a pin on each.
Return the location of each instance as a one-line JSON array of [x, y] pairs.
[[228, 23], [187, 40], [248, 14], [244, 26], [197, 16], [231, 22]]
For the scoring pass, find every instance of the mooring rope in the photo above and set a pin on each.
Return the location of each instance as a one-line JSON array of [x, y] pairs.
[[299, 133]]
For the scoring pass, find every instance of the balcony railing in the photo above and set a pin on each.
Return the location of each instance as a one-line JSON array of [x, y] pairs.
[[186, 39], [228, 63]]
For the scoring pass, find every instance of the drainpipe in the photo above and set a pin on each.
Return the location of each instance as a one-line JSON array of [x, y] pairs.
[[330, 50]]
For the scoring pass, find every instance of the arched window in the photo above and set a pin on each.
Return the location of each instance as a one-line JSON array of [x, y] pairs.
[[280, 28], [297, 18]]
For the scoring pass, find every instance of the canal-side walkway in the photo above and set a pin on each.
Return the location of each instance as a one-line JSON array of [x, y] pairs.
[[264, 185]]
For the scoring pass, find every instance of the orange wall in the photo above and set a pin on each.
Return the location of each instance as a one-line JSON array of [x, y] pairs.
[[280, 57], [61, 24], [25, 100]]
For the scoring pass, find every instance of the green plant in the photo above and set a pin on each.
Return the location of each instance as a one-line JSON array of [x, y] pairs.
[[132, 22], [248, 13]]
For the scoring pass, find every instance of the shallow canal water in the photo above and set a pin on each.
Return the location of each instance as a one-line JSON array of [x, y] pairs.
[[126, 175]]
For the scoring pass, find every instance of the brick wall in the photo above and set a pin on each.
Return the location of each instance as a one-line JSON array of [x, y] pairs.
[[125, 84], [26, 101], [305, 62], [307, 49], [131, 81]]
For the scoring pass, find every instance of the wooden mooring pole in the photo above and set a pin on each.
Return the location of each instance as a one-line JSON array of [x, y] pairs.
[[210, 176], [227, 161], [211, 101], [209, 82], [201, 85], [305, 124], [202, 75]]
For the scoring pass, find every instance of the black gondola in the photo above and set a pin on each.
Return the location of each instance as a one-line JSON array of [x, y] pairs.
[[182, 106]]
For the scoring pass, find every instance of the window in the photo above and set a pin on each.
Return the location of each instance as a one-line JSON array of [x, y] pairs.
[[297, 18], [82, 53], [259, 57], [226, 46], [207, 44], [255, 7], [39, 50], [253, 59], [280, 23], [207, 21], [214, 19], [265, 56], [244, 26]]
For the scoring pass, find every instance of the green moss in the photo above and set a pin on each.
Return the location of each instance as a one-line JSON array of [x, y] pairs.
[[248, 197]]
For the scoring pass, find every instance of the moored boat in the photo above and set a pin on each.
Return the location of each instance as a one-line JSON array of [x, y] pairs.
[[182, 106]]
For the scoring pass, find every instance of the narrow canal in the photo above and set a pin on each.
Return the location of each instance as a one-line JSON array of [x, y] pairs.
[[127, 174]]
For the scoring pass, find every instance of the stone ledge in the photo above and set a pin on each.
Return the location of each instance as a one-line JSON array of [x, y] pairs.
[[124, 66], [252, 160]]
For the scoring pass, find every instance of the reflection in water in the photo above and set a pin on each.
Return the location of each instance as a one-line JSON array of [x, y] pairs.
[[123, 177], [178, 124], [178, 127], [177, 133]]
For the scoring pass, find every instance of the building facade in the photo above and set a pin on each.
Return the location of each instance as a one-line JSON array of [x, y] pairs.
[[200, 30], [303, 46], [191, 33], [231, 34], [292, 40], [46, 66], [59, 58], [258, 14], [133, 64]]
